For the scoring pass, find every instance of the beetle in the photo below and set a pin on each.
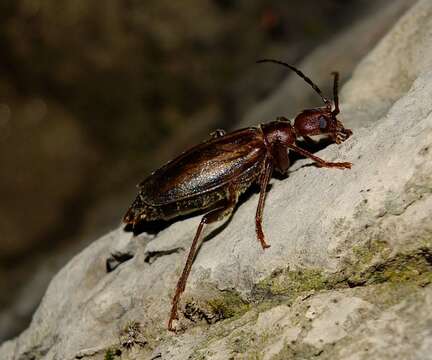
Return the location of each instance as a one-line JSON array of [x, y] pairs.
[[212, 175]]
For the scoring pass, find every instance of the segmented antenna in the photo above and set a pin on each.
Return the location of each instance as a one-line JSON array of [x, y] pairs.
[[303, 76], [335, 93]]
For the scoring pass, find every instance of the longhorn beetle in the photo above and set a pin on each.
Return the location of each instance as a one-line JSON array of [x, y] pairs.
[[212, 175]]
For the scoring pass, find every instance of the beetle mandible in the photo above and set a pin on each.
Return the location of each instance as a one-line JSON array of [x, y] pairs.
[[212, 175]]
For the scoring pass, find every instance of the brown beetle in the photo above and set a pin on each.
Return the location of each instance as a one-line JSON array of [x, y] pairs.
[[212, 175]]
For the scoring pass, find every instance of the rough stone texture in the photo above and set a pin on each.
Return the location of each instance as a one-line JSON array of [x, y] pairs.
[[349, 272]]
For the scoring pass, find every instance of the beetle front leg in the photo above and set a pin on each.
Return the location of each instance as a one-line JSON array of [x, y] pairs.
[[216, 214], [264, 181], [319, 161]]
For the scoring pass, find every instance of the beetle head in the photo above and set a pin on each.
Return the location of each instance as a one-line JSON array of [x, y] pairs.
[[320, 121]]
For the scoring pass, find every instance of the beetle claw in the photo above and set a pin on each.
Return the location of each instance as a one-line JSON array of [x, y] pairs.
[[172, 327], [342, 165]]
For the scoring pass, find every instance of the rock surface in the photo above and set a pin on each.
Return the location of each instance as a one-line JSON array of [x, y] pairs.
[[349, 271]]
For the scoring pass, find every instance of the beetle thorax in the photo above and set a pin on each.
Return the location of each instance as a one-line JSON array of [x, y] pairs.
[[278, 132]]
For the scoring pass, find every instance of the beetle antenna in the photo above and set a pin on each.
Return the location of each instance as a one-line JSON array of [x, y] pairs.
[[335, 93], [303, 76]]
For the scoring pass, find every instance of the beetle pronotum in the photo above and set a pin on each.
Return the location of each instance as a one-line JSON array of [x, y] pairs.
[[212, 175]]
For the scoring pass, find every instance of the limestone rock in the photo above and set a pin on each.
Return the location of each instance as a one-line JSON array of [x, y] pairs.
[[349, 271]]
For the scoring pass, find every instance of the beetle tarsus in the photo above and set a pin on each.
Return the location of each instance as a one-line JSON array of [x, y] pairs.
[[341, 165], [337, 165], [172, 318], [264, 244]]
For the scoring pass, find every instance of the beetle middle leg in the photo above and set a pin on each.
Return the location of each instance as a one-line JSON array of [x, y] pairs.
[[216, 214], [264, 181]]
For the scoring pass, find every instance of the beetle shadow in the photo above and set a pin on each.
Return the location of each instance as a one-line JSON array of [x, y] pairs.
[[253, 189], [312, 146], [156, 226], [218, 229]]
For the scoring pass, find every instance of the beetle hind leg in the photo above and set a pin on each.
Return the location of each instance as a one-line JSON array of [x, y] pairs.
[[264, 181], [214, 215]]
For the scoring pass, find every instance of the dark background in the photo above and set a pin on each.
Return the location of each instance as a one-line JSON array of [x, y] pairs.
[[96, 94]]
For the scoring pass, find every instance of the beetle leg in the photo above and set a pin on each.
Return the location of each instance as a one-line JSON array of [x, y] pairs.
[[217, 133], [216, 214], [280, 157], [319, 161], [264, 181]]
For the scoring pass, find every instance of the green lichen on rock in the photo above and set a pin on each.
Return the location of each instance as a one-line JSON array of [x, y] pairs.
[[223, 305], [366, 253], [363, 259], [289, 284], [376, 262], [229, 305], [110, 354], [372, 272], [376, 266], [415, 268], [298, 350], [371, 263]]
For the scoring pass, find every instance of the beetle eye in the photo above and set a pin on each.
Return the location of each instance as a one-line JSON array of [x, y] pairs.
[[322, 122]]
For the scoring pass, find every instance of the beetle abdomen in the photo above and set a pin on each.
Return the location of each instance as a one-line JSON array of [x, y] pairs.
[[140, 210]]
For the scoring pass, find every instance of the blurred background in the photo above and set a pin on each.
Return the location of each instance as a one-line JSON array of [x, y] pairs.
[[94, 95]]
